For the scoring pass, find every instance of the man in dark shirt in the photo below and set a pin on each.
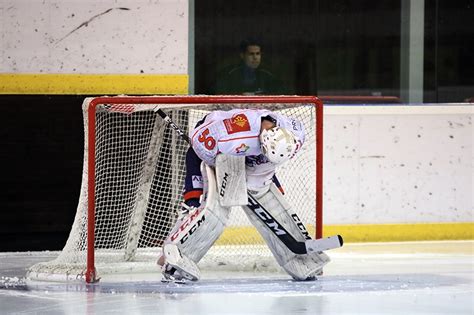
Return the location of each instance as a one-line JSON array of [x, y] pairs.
[[249, 78]]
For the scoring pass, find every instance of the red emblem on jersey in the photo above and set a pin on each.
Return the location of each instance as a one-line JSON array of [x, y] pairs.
[[237, 123]]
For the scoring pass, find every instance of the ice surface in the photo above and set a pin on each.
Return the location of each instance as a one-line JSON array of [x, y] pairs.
[[381, 278]]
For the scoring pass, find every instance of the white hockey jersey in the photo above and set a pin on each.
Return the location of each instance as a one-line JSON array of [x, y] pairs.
[[237, 132]]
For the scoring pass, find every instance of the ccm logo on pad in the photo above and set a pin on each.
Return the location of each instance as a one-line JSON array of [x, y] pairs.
[[266, 218], [189, 226]]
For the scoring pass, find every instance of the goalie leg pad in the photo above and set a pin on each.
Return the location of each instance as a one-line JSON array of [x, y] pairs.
[[300, 267], [194, 234]]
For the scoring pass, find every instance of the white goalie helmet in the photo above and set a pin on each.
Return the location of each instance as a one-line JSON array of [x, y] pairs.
[[278, 144]]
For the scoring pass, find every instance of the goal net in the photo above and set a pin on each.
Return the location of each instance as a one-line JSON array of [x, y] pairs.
[[133, 177]]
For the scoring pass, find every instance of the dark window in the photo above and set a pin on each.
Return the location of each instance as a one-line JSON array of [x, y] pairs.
[[337, 47]]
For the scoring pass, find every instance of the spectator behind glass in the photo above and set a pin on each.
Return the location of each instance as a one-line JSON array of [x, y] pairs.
[[248, 78]]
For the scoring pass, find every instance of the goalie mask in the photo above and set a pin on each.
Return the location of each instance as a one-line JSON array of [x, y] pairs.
[[278, 144]]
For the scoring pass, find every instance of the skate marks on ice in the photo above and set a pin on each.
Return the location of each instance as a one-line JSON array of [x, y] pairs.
[[325, 284]]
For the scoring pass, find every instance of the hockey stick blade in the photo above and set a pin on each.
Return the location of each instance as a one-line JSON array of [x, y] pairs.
[[323, 244], [297, 247]]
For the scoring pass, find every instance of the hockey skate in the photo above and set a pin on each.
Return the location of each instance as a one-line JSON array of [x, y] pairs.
[[178, 268]]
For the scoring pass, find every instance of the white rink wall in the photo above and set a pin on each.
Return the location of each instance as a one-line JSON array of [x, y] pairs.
[[398, 164], [94, 37]]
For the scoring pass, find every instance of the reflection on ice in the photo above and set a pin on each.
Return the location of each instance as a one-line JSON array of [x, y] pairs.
[[390, 278], [325, 284]]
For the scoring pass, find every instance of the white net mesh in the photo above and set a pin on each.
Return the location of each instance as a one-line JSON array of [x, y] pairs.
[[139, 177]]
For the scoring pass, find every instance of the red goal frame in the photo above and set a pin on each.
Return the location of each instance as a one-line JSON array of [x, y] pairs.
[[91, 275]]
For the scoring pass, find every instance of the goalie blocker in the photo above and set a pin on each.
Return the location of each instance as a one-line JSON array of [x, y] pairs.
[[194, 234]]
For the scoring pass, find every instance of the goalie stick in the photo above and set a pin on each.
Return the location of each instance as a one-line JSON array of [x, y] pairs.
[[297, 247]]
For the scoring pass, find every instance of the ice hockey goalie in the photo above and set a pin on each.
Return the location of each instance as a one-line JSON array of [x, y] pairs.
[[232, 162]]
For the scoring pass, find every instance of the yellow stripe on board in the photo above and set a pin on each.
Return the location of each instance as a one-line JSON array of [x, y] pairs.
[[402, 232], [366, 233], [93, 84]]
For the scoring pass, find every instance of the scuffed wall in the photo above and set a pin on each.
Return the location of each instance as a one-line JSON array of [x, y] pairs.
[[94, 37], [398, 164]]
